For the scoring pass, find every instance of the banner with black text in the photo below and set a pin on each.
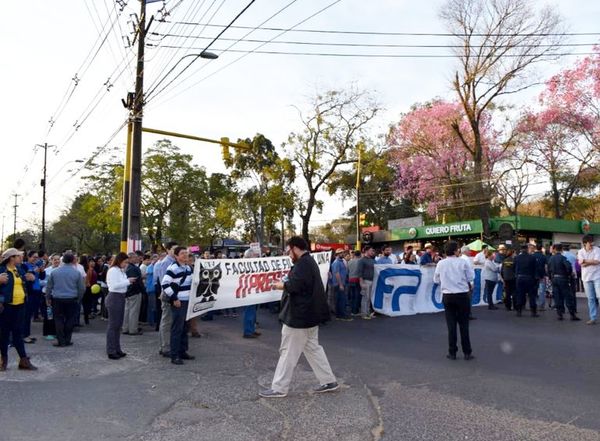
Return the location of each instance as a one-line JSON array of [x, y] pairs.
[[231, 283]]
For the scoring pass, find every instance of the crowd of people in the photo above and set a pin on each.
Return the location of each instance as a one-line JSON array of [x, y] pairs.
[[128, 290]]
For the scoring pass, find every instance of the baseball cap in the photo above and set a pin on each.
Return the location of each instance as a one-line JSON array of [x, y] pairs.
[[428, 245]]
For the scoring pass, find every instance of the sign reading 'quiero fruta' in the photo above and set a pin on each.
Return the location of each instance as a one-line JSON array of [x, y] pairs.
[[453, 229], [448, 229]]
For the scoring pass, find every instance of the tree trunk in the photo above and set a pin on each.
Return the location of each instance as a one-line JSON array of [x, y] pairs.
[[480, 192], [310, 205]]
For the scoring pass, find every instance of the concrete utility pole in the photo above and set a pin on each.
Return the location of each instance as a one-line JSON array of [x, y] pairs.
[[134, 237]]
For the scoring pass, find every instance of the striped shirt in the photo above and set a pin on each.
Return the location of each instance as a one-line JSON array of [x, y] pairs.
[[177, 282]]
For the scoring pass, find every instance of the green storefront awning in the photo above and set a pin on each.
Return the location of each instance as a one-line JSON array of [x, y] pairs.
[[463, 228]]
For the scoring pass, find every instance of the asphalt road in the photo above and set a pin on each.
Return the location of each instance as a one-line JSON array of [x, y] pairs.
[[532, 379]]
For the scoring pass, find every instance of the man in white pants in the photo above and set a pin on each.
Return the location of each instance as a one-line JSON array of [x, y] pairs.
[[303, 308]]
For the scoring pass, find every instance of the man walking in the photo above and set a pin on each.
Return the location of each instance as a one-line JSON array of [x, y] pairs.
[[303, 308], [560, 270], [455, 277], [354, 283], [64, 291], [589, 259]]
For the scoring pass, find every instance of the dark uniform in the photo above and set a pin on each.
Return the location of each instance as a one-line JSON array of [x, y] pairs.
[[560, 271], [526, 272], [508, 276]]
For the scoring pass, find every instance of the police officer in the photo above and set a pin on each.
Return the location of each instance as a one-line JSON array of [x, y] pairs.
[[526, 272], [560, 271]]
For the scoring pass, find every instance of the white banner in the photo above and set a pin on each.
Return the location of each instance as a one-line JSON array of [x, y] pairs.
[[231, 283], [409, 289]]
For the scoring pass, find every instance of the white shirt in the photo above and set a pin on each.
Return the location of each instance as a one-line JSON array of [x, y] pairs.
[[81, 270], [479, 258], [591, 272], [454, 275], [117, 280]]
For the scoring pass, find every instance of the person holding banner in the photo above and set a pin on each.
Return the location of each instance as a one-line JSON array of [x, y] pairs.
[[303, 308], [176, 285], [455, 278]]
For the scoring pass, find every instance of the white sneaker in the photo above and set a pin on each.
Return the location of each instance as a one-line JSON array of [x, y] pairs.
[[270, 393]]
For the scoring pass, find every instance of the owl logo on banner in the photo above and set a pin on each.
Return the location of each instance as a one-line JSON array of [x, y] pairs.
[[208, 286]]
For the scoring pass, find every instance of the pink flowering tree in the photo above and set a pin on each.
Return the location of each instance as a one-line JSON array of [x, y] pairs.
[[572, 98], [433, 167]]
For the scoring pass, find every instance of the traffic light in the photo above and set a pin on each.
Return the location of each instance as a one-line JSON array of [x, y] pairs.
[[225, 146], [362, 219]]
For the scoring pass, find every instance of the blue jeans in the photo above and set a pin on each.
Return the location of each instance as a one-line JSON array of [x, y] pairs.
[[355, 297], [592, 291], [11, 325], [341, 301], [179, 328], [541, 298], [250, 320], [490, 285], [151, 310]]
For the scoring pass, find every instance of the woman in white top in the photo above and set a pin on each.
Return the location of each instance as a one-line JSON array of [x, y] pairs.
[[490, 276], [117, 283]]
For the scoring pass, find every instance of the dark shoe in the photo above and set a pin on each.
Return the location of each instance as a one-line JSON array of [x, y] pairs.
[[196, 335], [121, 354], [177, 361], [136, 333], [114, 356], [69, 343], [258, 334], [125, 332], [492, 307], [59, 345], [574, 318], [469, 357], [560, 317], [250, 336], [534, 314], [519, 313], [472, 318], [25, 364], [329, 387], [451, 356], [186, 356]]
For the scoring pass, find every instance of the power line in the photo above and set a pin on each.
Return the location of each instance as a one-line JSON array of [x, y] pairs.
[[358, 55], [409, 34], [377, 45], [301, 22], [195, 58], [244, 36]]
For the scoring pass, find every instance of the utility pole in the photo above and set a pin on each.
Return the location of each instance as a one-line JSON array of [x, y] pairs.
[[134, 236], [43, 184], [358, 244], [15, 219]]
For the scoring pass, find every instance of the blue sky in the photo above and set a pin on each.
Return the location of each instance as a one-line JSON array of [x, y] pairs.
[[44, 44]]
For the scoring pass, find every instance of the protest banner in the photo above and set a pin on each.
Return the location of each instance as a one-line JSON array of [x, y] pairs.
[[231, 283], [409, 289]]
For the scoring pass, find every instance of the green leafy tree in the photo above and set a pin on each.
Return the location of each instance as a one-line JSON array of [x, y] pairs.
[[266, 177], [330, 135]]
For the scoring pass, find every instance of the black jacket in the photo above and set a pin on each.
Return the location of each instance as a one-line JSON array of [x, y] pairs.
[[558, 265], [138, 286], [303, 303]]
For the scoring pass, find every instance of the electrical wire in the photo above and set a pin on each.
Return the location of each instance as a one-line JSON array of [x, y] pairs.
[[411, 34], [258, 47], [357, 55], [196, 56], [376, 45]]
